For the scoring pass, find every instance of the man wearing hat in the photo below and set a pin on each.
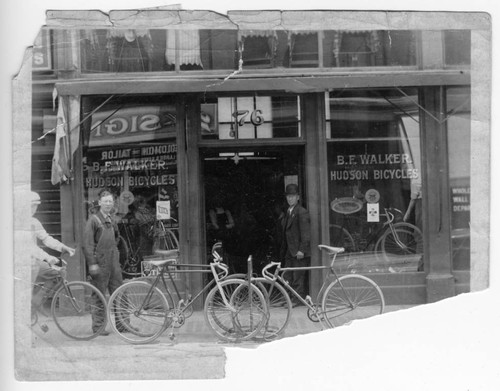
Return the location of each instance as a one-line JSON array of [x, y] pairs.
[[295, 246], [42, 269]]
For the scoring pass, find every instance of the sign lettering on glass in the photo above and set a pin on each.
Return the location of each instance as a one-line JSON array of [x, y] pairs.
[[245, 117], [366, 167], [132, 124], [41, 51]]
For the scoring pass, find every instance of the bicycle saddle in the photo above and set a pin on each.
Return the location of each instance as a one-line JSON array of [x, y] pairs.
[[162, 262], [331, 250]]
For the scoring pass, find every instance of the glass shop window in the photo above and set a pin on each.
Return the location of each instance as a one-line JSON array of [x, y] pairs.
[[253, 117], [130, 149], [374, 179], [459, 149]]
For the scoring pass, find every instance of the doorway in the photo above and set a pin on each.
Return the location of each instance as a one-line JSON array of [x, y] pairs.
[[246, 185]]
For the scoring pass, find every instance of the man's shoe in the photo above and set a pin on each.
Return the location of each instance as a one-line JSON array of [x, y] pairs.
[[104, 333]]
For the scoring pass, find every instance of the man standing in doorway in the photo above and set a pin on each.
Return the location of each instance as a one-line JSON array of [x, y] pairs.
[[295, 246]]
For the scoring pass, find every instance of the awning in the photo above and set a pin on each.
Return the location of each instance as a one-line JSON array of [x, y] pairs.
[[292, 82]]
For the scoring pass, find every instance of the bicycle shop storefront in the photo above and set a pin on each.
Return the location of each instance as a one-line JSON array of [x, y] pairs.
[[381, 158], [356, 154]]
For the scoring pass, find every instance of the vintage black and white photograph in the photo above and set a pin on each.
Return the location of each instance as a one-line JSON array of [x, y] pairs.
[[253, 196]]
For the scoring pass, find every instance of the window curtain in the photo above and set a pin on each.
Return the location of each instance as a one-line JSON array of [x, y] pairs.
[[372, 39], [272, 40], [186, 43], [291, 41]]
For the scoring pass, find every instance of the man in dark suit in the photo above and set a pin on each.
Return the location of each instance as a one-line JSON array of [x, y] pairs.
[[295, 246]]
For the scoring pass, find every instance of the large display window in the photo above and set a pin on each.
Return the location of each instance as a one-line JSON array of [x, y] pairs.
[[374, 178], [130, 149]]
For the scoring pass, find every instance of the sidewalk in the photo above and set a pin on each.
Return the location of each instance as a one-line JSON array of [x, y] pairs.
[[194, 353]]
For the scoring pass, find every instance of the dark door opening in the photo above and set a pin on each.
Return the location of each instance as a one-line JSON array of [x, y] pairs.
[[249, 183]]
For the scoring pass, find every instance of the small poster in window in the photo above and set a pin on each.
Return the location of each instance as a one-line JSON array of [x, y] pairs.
[[163, 210], [372, 213]]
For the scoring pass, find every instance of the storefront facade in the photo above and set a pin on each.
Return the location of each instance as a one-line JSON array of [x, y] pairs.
[[372, 124]]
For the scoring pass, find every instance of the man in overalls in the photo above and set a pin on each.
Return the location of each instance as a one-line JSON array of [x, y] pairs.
[[101, 253]]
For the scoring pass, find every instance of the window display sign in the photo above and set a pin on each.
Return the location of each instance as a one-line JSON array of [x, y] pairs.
[[162, 210], [149, 170], [132, 124], [460, 201]]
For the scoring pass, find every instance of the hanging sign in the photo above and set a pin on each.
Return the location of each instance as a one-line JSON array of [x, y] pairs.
[[132, 124]]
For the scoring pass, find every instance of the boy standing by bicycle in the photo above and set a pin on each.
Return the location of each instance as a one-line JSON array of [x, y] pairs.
[[102, 256], [43, 270]]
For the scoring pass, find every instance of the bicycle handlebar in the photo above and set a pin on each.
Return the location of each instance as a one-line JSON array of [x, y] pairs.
[[217, 264], [267, 275]]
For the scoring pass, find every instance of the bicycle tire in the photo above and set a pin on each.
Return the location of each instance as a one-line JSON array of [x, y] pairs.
[[130, 265], [411, 240], [247, 319], [349, 298], [340, 237], [279, 308], [135, 318], [73, 306]]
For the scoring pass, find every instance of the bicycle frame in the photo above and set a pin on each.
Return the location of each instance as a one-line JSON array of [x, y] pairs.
[[278, 275], [211, 268]]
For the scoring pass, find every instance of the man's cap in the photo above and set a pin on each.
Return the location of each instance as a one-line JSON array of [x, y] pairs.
[[291, 189], [35, 198]]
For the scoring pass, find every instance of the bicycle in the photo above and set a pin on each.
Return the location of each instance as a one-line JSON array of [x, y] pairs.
[[340, 300], [234, 309], [397, 242], [73, 306], [131, 255]]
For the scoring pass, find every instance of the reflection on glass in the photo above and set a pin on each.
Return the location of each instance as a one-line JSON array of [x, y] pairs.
[[374, 175]]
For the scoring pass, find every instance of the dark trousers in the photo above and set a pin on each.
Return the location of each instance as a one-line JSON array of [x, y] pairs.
[[297, 278], [108, 279]]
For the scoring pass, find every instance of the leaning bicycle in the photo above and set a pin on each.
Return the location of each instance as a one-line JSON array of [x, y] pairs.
[[73, 306], [340, 300], [234, 309]]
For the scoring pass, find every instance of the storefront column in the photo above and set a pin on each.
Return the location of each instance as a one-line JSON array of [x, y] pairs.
[[317, 187], [435, 195], [71, 198], [190, 209]]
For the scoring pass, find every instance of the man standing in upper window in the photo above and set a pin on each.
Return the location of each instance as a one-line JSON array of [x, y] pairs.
[[295, 246]]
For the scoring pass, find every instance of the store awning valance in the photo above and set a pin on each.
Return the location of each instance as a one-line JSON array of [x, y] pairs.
[[292, 82]]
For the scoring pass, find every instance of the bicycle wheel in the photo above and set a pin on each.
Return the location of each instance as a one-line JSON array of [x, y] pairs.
[[129, 263], [137, 313], [279, 308], [402, 245], [340, 237], [73, 306], [247, 315], [349, 298]]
